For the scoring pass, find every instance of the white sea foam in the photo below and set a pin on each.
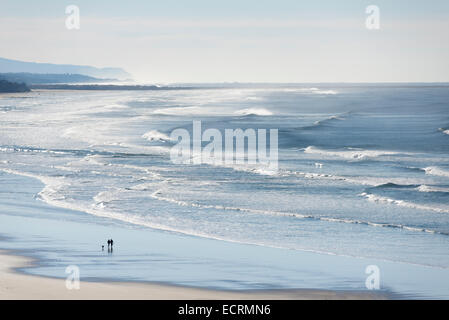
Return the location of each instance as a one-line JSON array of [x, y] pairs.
[[253, 98], [436, 171], [254, 111], [319, 122], [51, 195], [402, 203], [359, 180], [180, 111], [311, 175], [155, 135], [426, 188], [115, 106], [264, 171], [94, 134], [95, 159], [94, 184], [310, 90], [366, 181], [52, 185], [105, 196], [30, 150], [353, 154], [158, 195], [445, 131], [325, 92], [98, 161], [319, 91]]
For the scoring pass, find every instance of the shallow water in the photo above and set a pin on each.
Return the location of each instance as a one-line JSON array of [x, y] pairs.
[[58, 238]]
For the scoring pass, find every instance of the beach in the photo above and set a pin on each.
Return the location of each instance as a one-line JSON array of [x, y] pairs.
[[38, 244], [342, 217], [24, 287], [224, 150], [42, 247]]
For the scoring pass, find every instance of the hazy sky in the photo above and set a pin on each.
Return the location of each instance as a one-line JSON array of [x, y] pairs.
[[236, 40]]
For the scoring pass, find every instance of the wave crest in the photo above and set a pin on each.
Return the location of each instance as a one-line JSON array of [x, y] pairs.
[[158, 196], [379, 199], [155, 135], [320, 122], [426, 188], [254, 112], [444, 130], [436, 171], [353, 154]]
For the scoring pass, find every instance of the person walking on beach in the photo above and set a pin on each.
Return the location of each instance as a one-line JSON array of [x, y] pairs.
[[109, 243], [112, 243]]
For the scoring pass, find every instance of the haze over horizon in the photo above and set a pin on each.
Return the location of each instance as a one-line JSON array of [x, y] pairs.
[[254, 41]]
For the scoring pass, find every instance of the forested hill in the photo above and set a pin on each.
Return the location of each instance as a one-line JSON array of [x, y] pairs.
[[38, 78], [7, 86]]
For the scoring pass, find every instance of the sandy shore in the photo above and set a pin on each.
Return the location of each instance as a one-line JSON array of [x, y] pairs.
[[14, 285]]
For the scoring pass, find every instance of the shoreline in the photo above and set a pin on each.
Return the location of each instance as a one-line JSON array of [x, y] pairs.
[[48, 238], [15, 285]]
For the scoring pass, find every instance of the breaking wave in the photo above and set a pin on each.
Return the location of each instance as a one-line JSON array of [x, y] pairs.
[[444, 130], [179, 111], [254, 111], [426, 188], [436, 171], [320, 122], [402, 203], [350, 153], [155, 135], [311, 90], [158, 195]]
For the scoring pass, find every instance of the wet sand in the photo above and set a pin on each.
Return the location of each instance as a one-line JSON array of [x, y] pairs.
[[15, 285]]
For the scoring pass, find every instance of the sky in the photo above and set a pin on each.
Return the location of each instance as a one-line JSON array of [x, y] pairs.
[[246, 40]]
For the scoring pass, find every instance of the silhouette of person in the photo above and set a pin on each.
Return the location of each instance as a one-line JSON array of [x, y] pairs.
[[102, 248], [112, 243]]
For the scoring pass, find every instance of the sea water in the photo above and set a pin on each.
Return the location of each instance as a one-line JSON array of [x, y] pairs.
[[363, 170]]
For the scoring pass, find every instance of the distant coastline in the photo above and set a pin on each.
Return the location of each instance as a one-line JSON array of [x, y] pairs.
[[105, 87], [16, 66], [51, 78], [12, 87]]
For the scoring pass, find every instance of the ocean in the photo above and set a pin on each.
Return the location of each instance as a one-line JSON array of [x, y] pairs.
[[363, 170]]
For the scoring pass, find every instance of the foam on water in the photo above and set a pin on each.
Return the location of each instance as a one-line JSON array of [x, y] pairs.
[[437, 171], [311, 90], [350, 153], [444, 130], [31, 150], [107, 154], [254, 111], [158, 195], [177, 111], [425, 188], [320, 122], [403, 203], [53, 194], [155, 135]]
